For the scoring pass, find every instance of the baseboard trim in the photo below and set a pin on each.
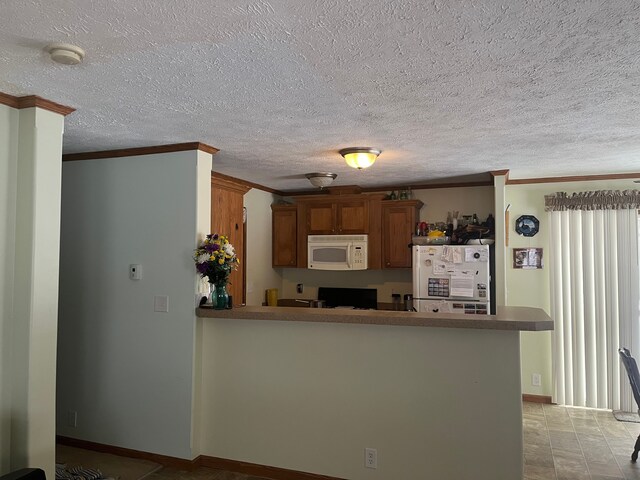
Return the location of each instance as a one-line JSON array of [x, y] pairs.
[[527, 397], [235, 466], [165, 460], [258, 470]]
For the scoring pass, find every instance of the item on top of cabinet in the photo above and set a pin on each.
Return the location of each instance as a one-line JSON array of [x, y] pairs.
[[392, 195], [403, 195], [490, 223]]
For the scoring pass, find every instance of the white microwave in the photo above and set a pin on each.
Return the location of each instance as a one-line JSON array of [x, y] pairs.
[[337, 252]]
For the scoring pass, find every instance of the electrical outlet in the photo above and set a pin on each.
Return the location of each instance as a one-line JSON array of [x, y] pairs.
[[72, 418], [299, 288], [370, 458], [536, 379]]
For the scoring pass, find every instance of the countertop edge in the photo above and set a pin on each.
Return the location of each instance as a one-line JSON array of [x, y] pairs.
[[507, 318]]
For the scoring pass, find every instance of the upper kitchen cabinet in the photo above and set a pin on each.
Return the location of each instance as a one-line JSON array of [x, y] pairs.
[[284, 235], [398, 223], [227, 218], [339, 216]]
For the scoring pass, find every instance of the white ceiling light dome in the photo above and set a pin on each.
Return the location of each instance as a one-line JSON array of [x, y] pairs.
[[65, 53], [321, 179]]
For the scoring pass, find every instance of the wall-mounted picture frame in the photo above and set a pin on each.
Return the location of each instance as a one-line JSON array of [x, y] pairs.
[[527, 258]]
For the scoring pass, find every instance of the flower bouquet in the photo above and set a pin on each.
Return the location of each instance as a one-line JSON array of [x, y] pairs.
[[215, 259]]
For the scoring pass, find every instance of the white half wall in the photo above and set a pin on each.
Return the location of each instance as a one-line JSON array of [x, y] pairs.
[[435, 402], [126, 371]]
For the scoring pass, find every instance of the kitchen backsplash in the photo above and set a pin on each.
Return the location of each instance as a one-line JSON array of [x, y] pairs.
[[385, 281]]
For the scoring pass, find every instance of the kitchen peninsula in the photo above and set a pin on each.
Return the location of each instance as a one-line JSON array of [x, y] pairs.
[[437, 396]]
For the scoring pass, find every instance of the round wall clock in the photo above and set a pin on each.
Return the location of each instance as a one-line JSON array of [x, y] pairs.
[[527, 225]]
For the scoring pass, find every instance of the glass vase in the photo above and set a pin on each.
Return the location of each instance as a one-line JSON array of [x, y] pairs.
[[221, 297], [211, 298]]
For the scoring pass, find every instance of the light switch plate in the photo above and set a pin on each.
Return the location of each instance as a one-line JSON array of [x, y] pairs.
[[161, 303]]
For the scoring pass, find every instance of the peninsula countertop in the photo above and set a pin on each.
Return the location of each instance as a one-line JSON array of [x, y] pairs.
[[506, 318]]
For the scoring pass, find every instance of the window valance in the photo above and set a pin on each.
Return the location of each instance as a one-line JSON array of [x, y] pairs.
[[596, 200]]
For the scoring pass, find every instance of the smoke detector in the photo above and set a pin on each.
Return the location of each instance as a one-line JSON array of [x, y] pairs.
[[65, 53]]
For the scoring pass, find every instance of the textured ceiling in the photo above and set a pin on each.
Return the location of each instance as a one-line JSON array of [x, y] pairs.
[[444, 88]]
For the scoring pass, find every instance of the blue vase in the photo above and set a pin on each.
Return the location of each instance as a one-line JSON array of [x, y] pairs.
[[221, 297]]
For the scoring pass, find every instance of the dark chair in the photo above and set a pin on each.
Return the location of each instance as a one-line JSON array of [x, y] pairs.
[[25, 474], [634, 378]]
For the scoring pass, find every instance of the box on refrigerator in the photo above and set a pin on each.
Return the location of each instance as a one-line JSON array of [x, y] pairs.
[[452, 279]]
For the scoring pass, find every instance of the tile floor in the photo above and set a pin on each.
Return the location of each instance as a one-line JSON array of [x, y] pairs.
[[564, 443]]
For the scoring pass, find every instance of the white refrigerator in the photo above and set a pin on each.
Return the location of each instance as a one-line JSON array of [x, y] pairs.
[[451, 279]]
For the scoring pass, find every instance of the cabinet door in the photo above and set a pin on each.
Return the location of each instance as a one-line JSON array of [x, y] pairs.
[[321, 218], [227, 202], [398, 223], [284, 228], [352, 217]]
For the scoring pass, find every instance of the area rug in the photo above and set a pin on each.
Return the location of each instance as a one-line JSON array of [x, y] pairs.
[[626, 416], [110, 466], [77, 472]]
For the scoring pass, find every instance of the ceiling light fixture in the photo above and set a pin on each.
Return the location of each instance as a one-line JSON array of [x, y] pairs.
[[360, 157], [321, 179], [65, 53]]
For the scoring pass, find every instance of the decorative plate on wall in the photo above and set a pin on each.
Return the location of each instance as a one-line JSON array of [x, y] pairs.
[[527, 225]]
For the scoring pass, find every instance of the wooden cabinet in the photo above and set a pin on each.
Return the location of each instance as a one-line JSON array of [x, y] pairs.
[[318, 215], [337, 216], [284, 226], [227, 204], [399, 218]]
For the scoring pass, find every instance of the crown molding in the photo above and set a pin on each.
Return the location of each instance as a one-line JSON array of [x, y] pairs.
[[132, 152], [218, 177], [31, 101]]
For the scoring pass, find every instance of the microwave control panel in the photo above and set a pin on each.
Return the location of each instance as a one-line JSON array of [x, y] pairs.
[[359, 259]]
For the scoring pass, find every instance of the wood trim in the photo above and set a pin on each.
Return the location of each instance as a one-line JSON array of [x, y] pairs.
[[236, 466], [527, 397], [30, 101], [388, 188], [576, 178], [500, 173], [228, 184], [132, 152], [165, 460], [247, 183], [274, 473]]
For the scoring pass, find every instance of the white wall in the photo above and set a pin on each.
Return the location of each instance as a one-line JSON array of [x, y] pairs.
[[312, 396], [30, 175], [126, 370], [530, 288], [8, 175], [437, 202], [260, 274]]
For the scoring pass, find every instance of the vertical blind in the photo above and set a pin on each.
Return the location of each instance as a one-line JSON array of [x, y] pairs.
[[594, 295]]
